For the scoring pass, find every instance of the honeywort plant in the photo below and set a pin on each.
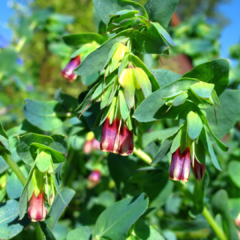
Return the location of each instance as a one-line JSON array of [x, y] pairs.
[[119, 114]]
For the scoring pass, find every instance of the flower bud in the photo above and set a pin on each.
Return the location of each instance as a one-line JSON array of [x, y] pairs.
[[87, 147], [110, 136], [198, 170], [94, 178], [37, 210], [116, 138], [126, 141], [180, 165], [68, 71]]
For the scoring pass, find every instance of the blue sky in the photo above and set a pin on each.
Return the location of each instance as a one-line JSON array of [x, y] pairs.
[[230, 34]]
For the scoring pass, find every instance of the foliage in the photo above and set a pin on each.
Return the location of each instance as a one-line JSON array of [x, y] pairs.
[[146, 118]]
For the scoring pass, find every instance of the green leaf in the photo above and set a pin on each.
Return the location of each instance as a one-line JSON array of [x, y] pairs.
[[59, 143], [106, 95], [104, 114], [105, 8], [146, 232], [233, 170], [60, 49], [195, 125], [114, 222], [90, 79], [59, 206], [163, 33], [138, 63], [180, 99], [124, 110], [128, 80], [202, 89], [43, 161], [80, 233], [4, 141], [161, 10], [87, 102], [47, 231], [164, 149], [96, 61], [200, 152], [58, 189], [149, 109], [220, 205], [23, 201], [208, 146], [143, 81], [216, 72], [227, 115], [124, 63], [103, 86], [10, 226], [76, 40], [219, 143], [44, 115], [68, 102], [165, 77], [122, 168], [24, 142], [176, 140], [150, 41], [162, 134], [214, 99], [14, 186]]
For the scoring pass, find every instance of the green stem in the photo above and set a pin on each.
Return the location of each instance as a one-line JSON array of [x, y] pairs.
[[219, 232], [22, 179], [14, 167], [39, 235], [141, 154]]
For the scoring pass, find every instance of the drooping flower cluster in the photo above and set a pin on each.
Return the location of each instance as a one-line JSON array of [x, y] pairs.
[[180, 166], [116, 137], [124, 84]]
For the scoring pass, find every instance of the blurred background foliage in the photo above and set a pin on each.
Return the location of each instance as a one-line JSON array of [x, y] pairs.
[[44, 55], [32, 68]]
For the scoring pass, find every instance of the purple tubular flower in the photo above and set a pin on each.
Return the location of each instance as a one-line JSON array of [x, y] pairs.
[[110, 136], [126, 141], [116, 138], [180, 165], [68, 71], [37, 210], [198, 170]]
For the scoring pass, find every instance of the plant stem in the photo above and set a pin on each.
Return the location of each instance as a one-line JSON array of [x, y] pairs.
[[219, 232], [39, 235], [14, 167], [141, 154], [12, 164]]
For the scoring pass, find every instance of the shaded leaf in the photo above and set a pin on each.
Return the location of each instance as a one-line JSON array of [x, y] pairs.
[[114, 222]]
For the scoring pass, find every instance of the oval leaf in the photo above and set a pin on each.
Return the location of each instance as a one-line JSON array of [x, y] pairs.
[[195, 125], [114, 222]]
